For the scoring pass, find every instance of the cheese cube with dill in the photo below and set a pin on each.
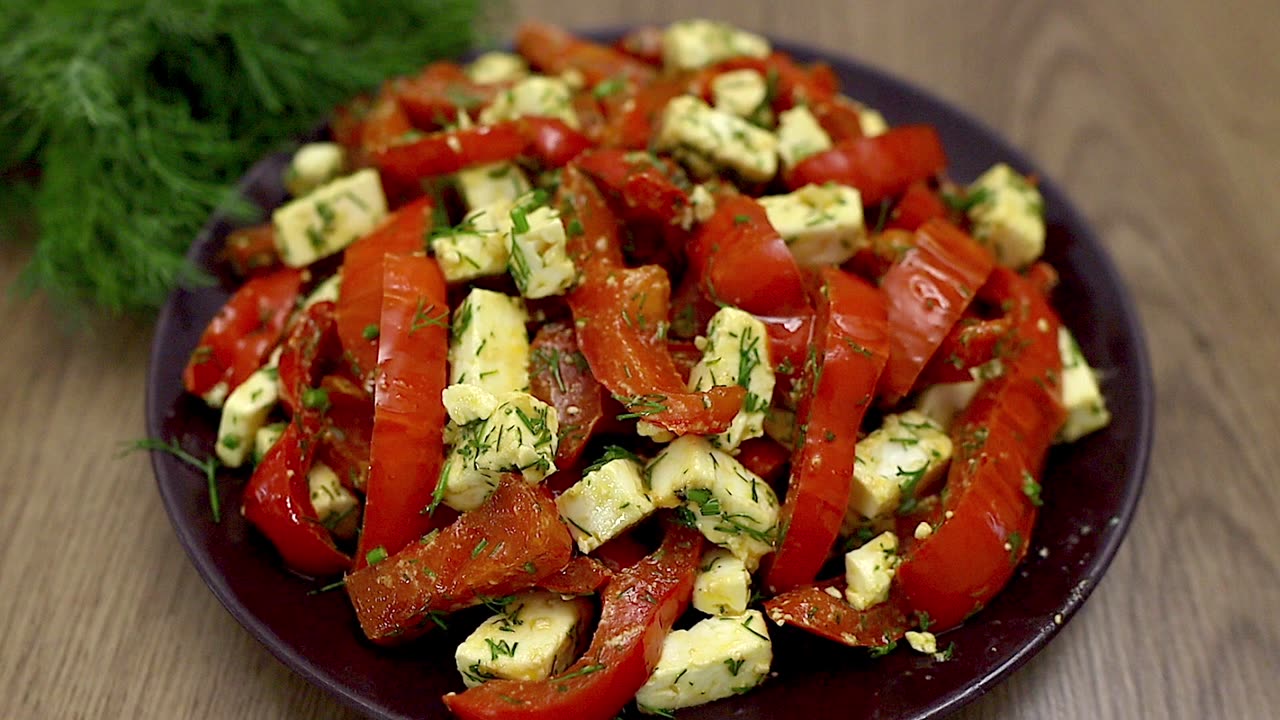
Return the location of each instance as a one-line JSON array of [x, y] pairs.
[[1081, 396], [266, 436], [821, 224], [723, 585], [496, 186], [476, 247], [1007, 214], [326, 291], [244, 413], [869, 570], [533, 96], [335, 505], [328, 219], [697, 43], [691, 128], [943, 401], [519, 436], [730, 505], [538, 255], [739, 92], [896, 463], [800, 135], [313, 165], [497, 67], [608, 500], [736, 352], [489, 346], [871, 122], [536, 636], [716, 658]]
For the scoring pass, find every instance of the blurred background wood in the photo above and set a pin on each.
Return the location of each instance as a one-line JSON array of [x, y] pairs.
[[1162, 120]]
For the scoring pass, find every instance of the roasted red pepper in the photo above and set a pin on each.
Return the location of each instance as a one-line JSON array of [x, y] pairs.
[[849, 352], [592, 234], [512, 542], [764, 457], [640, 604], [347, 432], [880, 167], [252, 251], [582, 576], [559, 376], [307, 354], [839, 117], [644, 186], [408, 418], [433, 98], [813, 609], [918, 205], [555, 51], [633, 116], [412, 159], [239, 337]]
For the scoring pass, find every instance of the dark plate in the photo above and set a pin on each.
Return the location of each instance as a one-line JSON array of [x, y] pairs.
[[1090, 492]]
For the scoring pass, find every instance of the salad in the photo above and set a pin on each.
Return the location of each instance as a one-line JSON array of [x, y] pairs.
[[651, 349]]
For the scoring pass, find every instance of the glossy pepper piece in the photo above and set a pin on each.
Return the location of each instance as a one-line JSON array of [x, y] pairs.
[[592, 231], [850, 348], [814, 609], [560, 376], [644, 186], [434, 97], [880, 167], [555, 51], [640, 604], [307, 354]]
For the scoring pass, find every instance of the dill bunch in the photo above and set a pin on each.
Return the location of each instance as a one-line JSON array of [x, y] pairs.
[[136, 115]]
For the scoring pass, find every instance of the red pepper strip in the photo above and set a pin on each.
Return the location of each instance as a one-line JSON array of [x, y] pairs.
[[685, 354], [561, 378], [582, 576], [764, 457], [1032, 347], [307, 353], [239, 337], [433, 98], [510, 543], [789, 339], [616, 318], [813, 609], [632, 117], [555, 51], [360, 302], [839, 116], [408, 417], [621, 552], [347, 123], [927, 290], [851, 345], [252, 251], [348, 431], [971, 343], [409, 161], [917, 206], [551, 141], [277, 501], [643, 43], [593, 241], [793, 83], [879, 167], [640, 604], [646, 191], [882, 250], [385, 123], [742, 261]]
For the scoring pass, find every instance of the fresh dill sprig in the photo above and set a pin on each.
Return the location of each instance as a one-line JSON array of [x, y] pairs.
[[208, 467], [135, 116]]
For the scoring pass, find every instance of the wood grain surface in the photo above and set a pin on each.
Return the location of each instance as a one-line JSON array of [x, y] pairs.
[[1162, 121]]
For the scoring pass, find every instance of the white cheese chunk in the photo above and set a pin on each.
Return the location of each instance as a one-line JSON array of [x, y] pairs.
[[821, 224], [467, 403], [900, 460], [244, 413], [496, 186], [943, 401], [1081, 396], [535, 637], [519, 436], [739, 92], [534, 96], [731, 506], [335, 505], [313, 165], [1007, 216], [922, 642], [702, 204], [489, 346], [716, 658], [539, 259], [477, 247], [605, 503], [871, 121], [736, 352], [326, 291], [800, 135], [497, 67], [266, 436], [693, 44], [869, 570], [330, 218], [723, 585], [693, 128]]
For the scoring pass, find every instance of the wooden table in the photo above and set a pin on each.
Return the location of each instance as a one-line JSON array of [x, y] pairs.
[[1163, 125]]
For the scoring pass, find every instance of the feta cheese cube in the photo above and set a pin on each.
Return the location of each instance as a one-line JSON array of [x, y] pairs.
[[723, 586], [1008, 216], [467, 403], [539, 259], [1081, 396], [266, 436], [799, 136], [477, 247], [736, 352], [739, 92], [520, 436], [313, 165], [692, 127], [922, 642], [497, 67], [899, 461], [821, 224], [330, 218], [244, 414], [534, 96], [489, 346], [716, 658], [605, 503], [693, 44], [730, 505], [535, 637], [943, 401], [335, 505], [496, 186], [869, 570]]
